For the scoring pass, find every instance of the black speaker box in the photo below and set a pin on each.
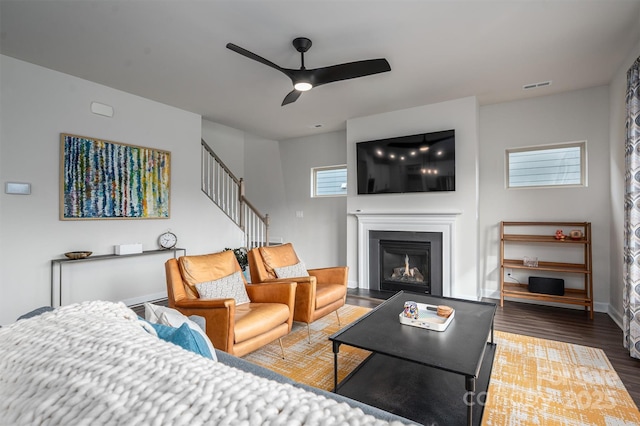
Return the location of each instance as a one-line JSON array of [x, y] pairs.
[[553, 286]]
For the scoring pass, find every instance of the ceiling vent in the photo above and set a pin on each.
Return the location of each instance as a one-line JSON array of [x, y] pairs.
[[536, 85]]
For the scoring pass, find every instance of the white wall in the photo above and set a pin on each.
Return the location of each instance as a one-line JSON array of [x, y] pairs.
[[617, 136], [319, 235], [227, 143], [265, 184], [461, 115], [573, 116], [37, 105]]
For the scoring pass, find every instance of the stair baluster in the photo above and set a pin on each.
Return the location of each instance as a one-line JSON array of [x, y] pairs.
[[227, 192]]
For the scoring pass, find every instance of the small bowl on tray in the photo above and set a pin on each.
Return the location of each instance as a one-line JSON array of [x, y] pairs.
[[75, 255]]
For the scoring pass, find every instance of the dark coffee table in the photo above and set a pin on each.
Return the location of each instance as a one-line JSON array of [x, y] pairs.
[[423, 375]]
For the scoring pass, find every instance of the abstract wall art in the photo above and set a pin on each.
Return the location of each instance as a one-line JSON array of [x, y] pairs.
[[110, 180]]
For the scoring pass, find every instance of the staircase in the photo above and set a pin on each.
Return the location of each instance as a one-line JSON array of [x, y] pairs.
[[227, 192]]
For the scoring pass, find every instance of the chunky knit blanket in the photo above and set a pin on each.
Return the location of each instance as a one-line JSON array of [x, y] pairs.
[[94, 364]]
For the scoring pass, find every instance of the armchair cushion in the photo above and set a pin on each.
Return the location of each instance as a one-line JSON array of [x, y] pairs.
[[229, 287], [329, 293], [258, 318], [207, 267], [293, 271], [277, 257]]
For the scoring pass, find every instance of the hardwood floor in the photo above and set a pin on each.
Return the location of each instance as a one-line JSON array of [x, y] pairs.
[[546, 322]]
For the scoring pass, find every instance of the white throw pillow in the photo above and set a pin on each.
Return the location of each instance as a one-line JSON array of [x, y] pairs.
[[229, 287], [293, 271], [173, 318]]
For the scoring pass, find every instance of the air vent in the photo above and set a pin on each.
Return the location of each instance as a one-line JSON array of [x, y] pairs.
[[536, 85]]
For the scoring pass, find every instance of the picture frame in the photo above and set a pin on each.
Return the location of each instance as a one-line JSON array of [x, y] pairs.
[[101, 179]]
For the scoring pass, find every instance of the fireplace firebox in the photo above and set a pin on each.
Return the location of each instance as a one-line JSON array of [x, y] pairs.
[[405, 266], [410, 261]]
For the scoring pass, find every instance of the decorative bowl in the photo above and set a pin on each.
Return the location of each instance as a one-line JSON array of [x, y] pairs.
[[78, 254], [576, 234]]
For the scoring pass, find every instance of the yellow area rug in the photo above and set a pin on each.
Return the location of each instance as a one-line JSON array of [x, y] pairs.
[[312, 364], [544, 382], [533, 381]]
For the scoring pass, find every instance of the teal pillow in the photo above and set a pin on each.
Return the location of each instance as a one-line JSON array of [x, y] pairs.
[[184, 337]]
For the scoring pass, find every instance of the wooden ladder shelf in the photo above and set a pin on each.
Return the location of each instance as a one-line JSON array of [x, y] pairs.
[[536, 236]]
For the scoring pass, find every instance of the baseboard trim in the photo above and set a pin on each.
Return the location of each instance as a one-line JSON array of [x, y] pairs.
[[147, 298], [353, 284]]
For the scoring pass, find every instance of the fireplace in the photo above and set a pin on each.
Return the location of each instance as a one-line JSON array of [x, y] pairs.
[[405, 266], [405, 260], [442, 223]]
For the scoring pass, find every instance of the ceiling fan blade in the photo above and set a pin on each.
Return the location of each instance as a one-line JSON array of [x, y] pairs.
[[291, 97], [349, 70], [251, 55], [319, 76]]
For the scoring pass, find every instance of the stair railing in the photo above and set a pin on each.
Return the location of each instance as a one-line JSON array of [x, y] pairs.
[[227, 192]]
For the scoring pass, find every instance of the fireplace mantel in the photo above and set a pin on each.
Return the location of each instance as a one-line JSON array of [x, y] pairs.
[[443, 222], [454, 213]]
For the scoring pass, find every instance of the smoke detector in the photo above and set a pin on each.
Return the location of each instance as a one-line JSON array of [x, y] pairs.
[[536, 85]]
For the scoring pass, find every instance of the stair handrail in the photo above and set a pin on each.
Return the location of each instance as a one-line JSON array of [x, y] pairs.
[[228, 192], [220, 162]]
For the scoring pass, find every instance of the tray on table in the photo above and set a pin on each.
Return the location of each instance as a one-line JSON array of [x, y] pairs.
[[428, 318]]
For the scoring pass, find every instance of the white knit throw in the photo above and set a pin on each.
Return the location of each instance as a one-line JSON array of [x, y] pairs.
[[93, 364]]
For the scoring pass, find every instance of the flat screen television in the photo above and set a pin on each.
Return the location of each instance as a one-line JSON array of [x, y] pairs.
[[418, 163]]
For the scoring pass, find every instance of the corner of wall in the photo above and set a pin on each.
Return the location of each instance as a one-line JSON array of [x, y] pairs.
[[615, 314]]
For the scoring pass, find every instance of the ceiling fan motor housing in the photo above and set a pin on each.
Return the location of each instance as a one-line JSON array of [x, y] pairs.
[[302, 44]]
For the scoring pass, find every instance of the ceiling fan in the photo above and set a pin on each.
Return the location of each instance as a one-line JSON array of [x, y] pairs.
[[304, 79]]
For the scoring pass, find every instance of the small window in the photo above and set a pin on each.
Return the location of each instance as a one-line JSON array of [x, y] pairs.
[[545, 166], [329, 181]]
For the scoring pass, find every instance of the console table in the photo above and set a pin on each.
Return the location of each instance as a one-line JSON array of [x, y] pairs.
[[56, 299]]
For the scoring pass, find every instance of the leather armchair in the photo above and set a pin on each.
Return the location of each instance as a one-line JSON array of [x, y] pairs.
[[322, 292], [235, 329]]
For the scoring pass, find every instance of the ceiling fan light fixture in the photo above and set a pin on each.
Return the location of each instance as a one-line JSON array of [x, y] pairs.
[[302, 86], [304, 80]]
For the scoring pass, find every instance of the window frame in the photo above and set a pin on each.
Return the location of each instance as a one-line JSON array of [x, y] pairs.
[[314, 171], [583, 164]]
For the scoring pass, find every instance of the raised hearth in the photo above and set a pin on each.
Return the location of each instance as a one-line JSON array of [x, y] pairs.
[[442, 224]]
